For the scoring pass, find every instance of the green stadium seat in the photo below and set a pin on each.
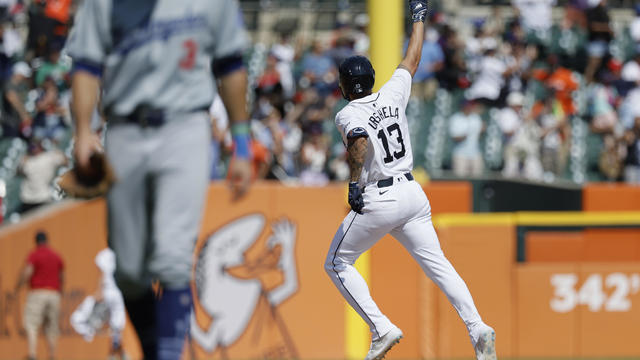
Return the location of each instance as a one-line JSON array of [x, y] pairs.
[[594, 145], [12, 200], [5, 144]]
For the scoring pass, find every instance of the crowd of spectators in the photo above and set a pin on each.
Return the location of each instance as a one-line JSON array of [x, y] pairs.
[[550, 62], [520, 70], [524, 67], [34, 77], [295, 98]]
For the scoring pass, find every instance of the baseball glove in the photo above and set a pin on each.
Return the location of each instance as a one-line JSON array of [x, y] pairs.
[[88, 183]]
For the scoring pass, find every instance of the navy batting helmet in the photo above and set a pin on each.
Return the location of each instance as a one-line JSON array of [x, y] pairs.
[[356, 76]]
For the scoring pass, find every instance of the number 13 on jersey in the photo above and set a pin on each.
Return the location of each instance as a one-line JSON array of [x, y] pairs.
[[392, 130]]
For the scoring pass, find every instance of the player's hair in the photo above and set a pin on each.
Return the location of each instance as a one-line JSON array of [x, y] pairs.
[[41, 238]]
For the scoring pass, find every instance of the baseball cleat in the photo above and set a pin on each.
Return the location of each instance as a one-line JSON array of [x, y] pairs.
[[380, 347], [486, 345]]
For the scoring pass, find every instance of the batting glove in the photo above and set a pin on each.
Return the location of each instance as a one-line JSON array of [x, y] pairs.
[[419, 10], [355, 197]]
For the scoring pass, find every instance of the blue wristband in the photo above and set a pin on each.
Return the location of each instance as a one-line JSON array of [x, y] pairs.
[[242, 149]]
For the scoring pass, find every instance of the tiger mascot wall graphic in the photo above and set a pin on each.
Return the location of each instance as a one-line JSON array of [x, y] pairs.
[[243, 273]]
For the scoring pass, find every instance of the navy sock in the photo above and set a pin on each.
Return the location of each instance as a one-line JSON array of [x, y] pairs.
[[143, 317], [173, 310]]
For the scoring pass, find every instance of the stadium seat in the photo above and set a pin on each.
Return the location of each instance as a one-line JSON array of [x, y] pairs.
[[594, 146]]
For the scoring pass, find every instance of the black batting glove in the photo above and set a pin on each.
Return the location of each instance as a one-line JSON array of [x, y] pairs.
[[419, 10], [355, 197]]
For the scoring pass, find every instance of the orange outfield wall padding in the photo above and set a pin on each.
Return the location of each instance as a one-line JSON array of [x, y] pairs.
[[610, 197], [263, 290], [589, 245]]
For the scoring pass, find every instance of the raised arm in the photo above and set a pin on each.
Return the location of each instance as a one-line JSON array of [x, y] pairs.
[[419, 12]]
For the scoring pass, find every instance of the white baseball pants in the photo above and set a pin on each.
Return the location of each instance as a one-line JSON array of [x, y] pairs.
[[403, 211]]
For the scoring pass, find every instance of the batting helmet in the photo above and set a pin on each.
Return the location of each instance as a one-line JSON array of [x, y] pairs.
[[356, 76]]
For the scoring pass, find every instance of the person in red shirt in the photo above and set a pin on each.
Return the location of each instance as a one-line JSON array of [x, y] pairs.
[[44, 271]]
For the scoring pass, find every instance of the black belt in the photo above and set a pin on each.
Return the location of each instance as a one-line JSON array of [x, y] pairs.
[[148, 116], [389, 181]]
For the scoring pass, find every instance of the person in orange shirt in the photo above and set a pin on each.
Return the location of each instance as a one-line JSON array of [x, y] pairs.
[[559, 80], [59, 11], [563, 83], [260, 160]]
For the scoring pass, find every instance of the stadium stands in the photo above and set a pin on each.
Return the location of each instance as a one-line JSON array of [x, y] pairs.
[[339, 26]]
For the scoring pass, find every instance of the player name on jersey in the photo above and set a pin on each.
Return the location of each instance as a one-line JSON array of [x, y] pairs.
[[382, 114]]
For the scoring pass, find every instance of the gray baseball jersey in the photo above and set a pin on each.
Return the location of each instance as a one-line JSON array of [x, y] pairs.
[[155, 53]]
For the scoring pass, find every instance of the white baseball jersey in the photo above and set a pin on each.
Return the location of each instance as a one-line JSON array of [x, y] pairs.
[[382, 116], [91, 315]]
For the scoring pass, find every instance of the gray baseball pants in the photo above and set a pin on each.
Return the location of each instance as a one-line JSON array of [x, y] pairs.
[[154, 209]]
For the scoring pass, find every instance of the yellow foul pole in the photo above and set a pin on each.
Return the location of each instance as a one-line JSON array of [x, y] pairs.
[[386, 36]]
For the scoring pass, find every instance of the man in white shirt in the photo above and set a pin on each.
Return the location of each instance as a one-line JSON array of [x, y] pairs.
[[39, 169], [285, 53], [465, 128], [509, 118], [630, 108], [491, 77], [535, 16], [521, 141], [631, 70]]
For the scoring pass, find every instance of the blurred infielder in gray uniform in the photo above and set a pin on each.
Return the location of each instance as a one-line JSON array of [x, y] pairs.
[[156, 61]]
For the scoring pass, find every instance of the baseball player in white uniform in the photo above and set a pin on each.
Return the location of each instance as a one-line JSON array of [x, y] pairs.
[[385, 199], [104, 307], [156, 61]]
